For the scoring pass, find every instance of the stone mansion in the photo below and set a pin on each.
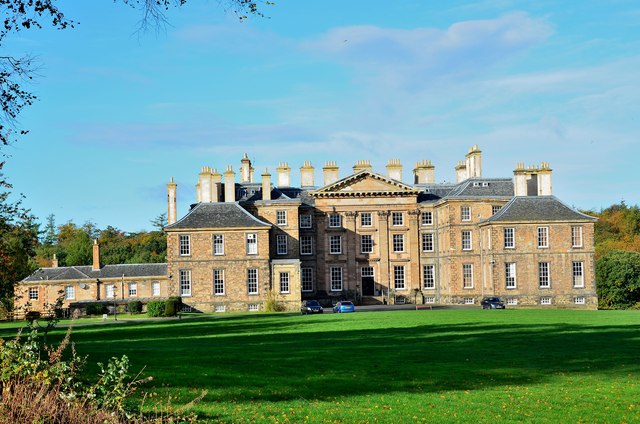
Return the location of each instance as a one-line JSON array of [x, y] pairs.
[[368, 237]]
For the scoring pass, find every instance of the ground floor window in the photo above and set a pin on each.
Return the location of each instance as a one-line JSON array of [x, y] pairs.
[[428, 277], [579, 300], [69, 292], [284, 282], [336, 278], [110, 291], [33, 294], [133, 289], [545, 301], [512, 302], [254, 307], [155, 288], [469, 300], [307, 279], [219, 308], [429, 299], [185, 282], [398, 277], [252, 281]]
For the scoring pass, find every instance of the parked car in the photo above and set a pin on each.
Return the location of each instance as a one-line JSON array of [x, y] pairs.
[[344, 306], [311, 307], [492, 303]]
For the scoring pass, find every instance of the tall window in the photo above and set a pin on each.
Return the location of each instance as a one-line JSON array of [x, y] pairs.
[[185, 282], [426, 218], [335, 245], [284, 282], [543, 275], [185, 244], [281, 217], [576, 236], [306, 245], [155, 288], [543, 237], [466, 240], [218, 244], [110, 291], [252, 281], [509, 238], [365, 219], [336, 278], [252, 244], [366, 243], [578, 274], [367, 271], [133, 289], [427, 242], [398, 243], [397, 218], [218, 282], [33, 294], [510, 275], [467, 276], [335, 220], [465, 213], [69, 292], [428, 277], [305, 221], [495, 209], [306, 279], [281, 244], [398, 277]]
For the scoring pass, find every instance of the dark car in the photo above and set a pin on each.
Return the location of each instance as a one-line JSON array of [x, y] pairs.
[[311, 307], [344, 306], [492, 303]]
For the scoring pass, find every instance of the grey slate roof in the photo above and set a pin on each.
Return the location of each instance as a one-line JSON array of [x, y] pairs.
[[107, 271], [538, 208], [217, 215], [484, 187]]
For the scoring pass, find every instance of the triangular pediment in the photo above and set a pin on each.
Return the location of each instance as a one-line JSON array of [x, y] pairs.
[[365, 183]]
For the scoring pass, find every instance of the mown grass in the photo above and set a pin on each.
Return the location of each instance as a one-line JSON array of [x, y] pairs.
[[401, 366]]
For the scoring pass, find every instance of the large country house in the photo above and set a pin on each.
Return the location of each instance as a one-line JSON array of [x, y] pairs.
[[369, 237]]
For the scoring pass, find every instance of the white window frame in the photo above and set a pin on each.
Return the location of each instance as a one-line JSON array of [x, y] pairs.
[[335, 276], [132, 289], [509, 238], [218, 282], [184, 244], [429, 277], [427, 242], [544, 275], [512, 301], [252, 281], [365, 219], [155, 288], [367, 271], [543, 237], [69, 292], [398, 243], [335, 245], [467, 276], [545, 300], [218, 244], [281, 217], [366, 243], [397, 219], [110, 291], [495, 209], [429, 299], [399, 282], [285, 280], [426, 218], [576, 236], [219, 308], [510, 275], [281, 244], [465, 213], [252, 243], [580, 300], [306, 220], [306, 279], [578, 274], [335, 220], [34, 293], [469, 301], [306, 245], [467, 242], [253, 307], [185, 282]]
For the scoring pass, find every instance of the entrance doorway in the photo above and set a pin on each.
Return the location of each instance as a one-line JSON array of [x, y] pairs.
[[368, 282]]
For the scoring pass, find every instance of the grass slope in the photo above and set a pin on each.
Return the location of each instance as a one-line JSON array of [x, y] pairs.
[[404, 366]]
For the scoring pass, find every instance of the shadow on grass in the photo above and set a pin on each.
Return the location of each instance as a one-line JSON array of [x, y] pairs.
[[280, 358]]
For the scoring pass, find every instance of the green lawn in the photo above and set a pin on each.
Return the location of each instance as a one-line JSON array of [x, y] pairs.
[[403, 366]]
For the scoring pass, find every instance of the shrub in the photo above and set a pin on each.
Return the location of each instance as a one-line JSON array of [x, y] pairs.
[[272, 305], [134, 307], [95, 309], [156, 308], [172, 306]]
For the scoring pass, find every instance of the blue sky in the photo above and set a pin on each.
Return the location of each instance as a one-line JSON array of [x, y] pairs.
[[120, 113]]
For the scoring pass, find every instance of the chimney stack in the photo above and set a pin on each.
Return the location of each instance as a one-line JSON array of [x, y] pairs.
[[361, 165], [266, 185], [171, 202], [424, 173], [54, 261], [216, 185], [96, 256], [474, 162], [461, 171], [245, 169], [229, 185], [306, 175], [394, 169], [284, 175], [206, 192], [330, 172], [532, 180]]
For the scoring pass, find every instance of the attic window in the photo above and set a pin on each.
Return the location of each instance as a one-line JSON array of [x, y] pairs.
[[476, 184], [485, 184]]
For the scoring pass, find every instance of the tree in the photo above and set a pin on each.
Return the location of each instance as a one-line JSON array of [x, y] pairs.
[[160, 221], [618, 277]]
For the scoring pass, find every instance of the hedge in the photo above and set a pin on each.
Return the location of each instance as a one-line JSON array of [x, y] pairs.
[[156, 308]]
